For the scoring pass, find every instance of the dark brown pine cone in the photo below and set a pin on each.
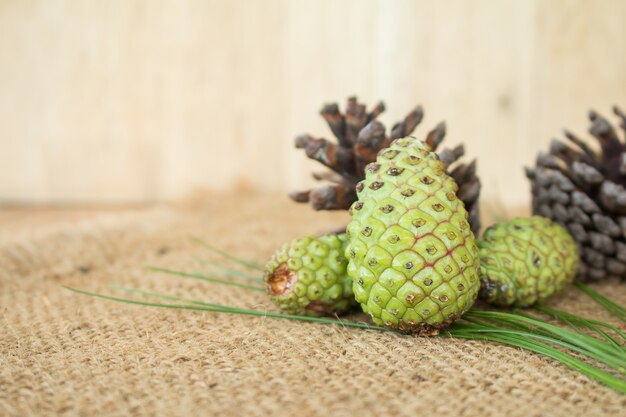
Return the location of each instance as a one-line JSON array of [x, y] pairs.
[[360, 137], [582, 188]]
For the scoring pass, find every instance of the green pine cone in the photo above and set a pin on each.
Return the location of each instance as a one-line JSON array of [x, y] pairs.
[[412, 255], [525, 260], [308, 276]]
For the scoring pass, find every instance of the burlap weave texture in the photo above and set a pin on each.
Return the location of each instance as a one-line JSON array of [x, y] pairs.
[[71, 355]]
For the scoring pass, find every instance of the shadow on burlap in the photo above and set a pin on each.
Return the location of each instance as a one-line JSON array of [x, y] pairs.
[[72, 355]]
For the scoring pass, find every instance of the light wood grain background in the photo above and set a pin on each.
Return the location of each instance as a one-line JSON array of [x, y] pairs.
[[126, 101]]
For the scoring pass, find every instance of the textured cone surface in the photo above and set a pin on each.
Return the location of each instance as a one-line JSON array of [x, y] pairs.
[[582, 187], [412, 255], [360, 136], [308, 276], [526, 260]]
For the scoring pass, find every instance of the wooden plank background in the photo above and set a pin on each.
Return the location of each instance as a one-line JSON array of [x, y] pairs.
[[127, 101]]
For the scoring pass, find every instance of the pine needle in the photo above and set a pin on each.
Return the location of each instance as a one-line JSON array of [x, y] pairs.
[[582, 323], [472, 332], [518, 330], [227, 271], [203, 277], [576, 342], [587, 345], [245, 262], [512, 331], [613, 308], [218, 308]]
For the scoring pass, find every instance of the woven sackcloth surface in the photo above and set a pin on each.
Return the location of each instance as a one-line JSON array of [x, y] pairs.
[[71, 355]]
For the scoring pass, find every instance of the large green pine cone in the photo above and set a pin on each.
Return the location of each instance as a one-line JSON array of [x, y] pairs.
[[308, 276], [525, 260], [412, 255]]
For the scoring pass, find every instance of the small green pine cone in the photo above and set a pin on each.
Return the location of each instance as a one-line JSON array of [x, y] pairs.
[[412, 255], [525, 260], [308, 276]]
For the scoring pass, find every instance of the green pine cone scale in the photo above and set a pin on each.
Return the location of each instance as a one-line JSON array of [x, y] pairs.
[[308, 276], [411, 254], [525, 261]]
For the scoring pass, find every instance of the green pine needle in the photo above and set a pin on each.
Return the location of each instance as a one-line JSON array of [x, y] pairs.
[[513, 330], [245, 262], [613, 308], [227, 271], [584, 344], [203, 277], [519, 330], [482, 333], [581, 323], [218, 308]]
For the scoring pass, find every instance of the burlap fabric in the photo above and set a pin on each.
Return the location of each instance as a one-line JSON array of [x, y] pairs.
[[71, 355]]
